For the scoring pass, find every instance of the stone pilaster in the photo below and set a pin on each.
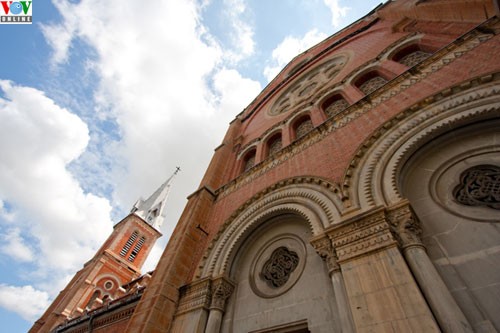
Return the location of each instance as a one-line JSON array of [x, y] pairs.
[[407, 229], [324, 248], [380, 289]]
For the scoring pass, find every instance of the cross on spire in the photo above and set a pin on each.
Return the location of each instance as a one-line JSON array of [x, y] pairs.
[[151, 210]]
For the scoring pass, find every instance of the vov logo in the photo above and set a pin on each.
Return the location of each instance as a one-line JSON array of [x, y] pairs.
[[16, 12]]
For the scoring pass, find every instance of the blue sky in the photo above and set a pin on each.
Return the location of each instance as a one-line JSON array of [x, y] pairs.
[[99, 101]]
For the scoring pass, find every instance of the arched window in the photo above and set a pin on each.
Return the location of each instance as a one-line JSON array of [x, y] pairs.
[[274, 144], [410, 56], [129, 243], [334, 105], [370, 82], [136, 249], [249, 161], [303, 126]]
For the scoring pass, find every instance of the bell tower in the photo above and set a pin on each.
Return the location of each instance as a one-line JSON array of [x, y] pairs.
[[116, 263]]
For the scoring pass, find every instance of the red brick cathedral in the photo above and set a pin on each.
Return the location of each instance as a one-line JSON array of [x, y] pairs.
[[358, 192]]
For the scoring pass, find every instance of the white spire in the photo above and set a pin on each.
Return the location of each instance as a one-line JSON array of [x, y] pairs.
[[151, 210]]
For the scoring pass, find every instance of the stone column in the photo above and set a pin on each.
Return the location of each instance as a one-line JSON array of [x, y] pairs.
[[324, 248], [222, 289], [407, 230]]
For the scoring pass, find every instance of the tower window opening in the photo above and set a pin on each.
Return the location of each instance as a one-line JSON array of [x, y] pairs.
[[129, 243], [136, 249]]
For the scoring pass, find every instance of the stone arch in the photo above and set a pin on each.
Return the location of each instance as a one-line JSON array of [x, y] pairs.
[[313, 200], [372, 177]]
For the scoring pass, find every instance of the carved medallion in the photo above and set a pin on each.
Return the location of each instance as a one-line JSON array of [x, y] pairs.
[[479, 186], [277, 269], [277, 265]]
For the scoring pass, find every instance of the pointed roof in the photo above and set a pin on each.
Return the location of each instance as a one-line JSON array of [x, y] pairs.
[[151, 209]]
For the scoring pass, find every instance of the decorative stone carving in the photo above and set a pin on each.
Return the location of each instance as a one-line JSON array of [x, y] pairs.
[[308, 85], [336, 107], [405, 226], [222, 289], [325, 250], [304, 128], [360, 235], [275, 146], [194, 296], [277, 269], [277, 265], [414, 58], [431, 65], [372, 84], [479, 186]]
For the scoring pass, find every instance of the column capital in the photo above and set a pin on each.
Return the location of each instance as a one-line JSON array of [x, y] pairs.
[[405, 225], [325, 250], [222, 288]]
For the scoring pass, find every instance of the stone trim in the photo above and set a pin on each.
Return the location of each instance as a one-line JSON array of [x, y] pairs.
[[361, 235], [196, 295], [391, 144], [394, 87]]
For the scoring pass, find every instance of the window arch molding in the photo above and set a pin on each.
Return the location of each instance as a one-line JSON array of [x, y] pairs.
[[314, 200], [389, 53], [400, 137]]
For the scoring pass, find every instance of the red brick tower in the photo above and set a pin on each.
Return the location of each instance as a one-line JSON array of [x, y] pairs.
[[116, 263]]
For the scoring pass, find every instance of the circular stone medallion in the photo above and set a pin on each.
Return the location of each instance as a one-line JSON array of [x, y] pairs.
[[277, 266]]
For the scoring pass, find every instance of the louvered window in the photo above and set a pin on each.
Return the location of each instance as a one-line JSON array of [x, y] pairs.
[[136, 249], [129, 243]]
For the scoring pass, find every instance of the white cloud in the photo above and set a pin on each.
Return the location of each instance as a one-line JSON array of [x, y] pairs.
[[154, 78], [337, 11], [14, 245], [38, 139], [241, 33], [161, 80], [25, 301], [289, 48]]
